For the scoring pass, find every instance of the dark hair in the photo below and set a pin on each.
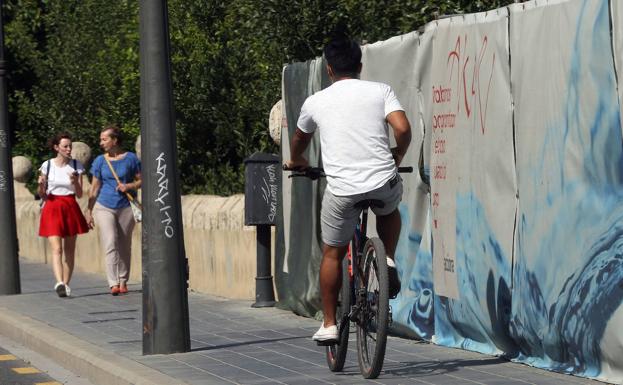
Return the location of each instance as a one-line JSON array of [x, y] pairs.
[[56, 140], [344, 56], [115, 132]]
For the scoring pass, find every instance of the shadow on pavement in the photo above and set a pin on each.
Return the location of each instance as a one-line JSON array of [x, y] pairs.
[[245, 343], [436, 367]]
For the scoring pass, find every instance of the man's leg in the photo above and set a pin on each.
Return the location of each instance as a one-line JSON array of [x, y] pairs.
[[338, 219], [388, 228], [331, 280]]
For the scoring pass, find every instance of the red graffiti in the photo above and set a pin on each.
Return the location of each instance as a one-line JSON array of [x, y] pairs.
[[477, 89]]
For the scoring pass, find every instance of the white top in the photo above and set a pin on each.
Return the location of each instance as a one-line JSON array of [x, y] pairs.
[[58, 178], [354, 135]]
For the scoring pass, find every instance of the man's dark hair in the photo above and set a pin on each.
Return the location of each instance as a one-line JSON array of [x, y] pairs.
[[344, 56]]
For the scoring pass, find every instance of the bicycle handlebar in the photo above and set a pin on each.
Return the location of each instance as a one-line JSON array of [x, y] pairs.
[[314, 173]]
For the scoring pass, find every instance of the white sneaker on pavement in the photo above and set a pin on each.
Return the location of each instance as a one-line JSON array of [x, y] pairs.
[[60, 289], [326, 334], [67, 290]]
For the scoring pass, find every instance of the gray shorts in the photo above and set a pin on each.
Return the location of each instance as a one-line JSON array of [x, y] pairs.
[[339, 216]]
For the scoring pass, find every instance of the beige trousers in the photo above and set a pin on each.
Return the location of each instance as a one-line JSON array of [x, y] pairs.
[[115, 229]]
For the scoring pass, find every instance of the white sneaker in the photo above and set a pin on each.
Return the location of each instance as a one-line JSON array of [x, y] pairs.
[[326, 334], [60, 289], [68, 290]]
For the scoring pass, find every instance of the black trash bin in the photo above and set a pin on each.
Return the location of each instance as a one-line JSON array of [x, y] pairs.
[[261, 186]]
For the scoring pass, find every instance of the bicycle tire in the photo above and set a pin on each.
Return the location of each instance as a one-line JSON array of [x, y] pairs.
[[374, 316], [336, 354]]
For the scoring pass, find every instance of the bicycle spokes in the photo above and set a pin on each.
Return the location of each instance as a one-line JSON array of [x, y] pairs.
[[373, 303]]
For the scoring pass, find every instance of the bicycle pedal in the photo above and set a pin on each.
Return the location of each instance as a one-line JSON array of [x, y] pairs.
[[327, 343]]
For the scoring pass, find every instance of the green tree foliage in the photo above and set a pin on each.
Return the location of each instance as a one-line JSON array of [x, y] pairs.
[[75, 67]]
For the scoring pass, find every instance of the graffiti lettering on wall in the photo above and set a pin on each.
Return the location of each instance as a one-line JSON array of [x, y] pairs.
[[468, 83], [465, 88], [163, 192], [460, 96]]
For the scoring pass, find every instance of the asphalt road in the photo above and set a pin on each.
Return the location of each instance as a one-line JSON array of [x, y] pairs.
[[15, 371], [22, 366]]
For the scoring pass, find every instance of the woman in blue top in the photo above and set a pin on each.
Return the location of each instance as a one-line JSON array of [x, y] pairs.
[[109, 206]]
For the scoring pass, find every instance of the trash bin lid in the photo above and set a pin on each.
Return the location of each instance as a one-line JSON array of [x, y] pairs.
[[262, 157]]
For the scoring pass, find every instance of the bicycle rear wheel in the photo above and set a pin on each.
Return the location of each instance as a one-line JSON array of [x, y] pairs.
[[336, 354], [374, 312]]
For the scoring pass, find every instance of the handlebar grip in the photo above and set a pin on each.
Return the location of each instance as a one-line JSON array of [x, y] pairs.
[[405, 169]]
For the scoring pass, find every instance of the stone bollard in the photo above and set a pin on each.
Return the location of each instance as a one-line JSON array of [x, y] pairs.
[[82, 153], [277, 122], [137, 147], [22, 167]]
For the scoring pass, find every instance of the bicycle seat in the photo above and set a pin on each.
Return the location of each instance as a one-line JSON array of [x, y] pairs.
[[364, 204]]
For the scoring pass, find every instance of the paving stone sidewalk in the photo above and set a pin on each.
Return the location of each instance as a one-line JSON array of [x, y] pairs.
[[233, 343]]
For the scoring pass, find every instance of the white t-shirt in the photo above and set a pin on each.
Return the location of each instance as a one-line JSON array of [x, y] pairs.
[[58, 177], [354, 135]]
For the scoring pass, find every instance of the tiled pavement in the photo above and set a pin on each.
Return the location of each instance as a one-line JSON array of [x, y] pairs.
[[233, 343]]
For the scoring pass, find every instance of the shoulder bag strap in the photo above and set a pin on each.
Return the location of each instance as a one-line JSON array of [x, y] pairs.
[[47, 175], [130, 197]]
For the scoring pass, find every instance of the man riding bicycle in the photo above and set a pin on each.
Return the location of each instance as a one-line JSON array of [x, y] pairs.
[[352, 116]]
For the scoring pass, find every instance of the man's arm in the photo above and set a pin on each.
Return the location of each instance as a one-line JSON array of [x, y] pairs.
[[299, 144], [402, 133]]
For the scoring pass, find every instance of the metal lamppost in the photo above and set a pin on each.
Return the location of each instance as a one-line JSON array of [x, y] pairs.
[[165, 274], [9, 257]]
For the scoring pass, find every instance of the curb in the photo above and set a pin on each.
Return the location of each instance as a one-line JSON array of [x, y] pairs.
[[100, 366]]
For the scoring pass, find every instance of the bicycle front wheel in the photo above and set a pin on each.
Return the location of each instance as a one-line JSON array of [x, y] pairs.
[[336, 354], [373, 293]]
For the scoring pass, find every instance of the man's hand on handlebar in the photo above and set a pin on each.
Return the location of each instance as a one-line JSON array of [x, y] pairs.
[[296, 164]]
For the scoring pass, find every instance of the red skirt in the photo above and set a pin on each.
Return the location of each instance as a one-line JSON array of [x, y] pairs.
[[61, 216]]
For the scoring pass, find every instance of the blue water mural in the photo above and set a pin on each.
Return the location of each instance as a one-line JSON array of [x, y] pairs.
[[479, 319], [564, 334], [557, 304], [569, 265], [413, 311]]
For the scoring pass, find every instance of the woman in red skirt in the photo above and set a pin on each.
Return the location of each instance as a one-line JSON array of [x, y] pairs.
[[61, 218]]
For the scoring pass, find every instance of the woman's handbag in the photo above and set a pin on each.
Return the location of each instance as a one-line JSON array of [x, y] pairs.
[[135, 205], [136, 208]]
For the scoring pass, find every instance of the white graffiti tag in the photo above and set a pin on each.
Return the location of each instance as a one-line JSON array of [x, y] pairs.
[[4, 139], [3, 181], [269, 192], [163, 192]]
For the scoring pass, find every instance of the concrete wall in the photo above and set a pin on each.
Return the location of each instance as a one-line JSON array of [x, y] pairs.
[[221, 251]]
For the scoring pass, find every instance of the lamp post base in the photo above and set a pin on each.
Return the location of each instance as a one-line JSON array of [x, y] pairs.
[[264, 294]]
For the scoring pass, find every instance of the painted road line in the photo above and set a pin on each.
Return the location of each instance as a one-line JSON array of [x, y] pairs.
[[7, 357], [29, 370]]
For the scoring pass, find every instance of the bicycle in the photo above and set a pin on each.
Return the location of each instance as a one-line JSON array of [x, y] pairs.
[[364, 301]]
